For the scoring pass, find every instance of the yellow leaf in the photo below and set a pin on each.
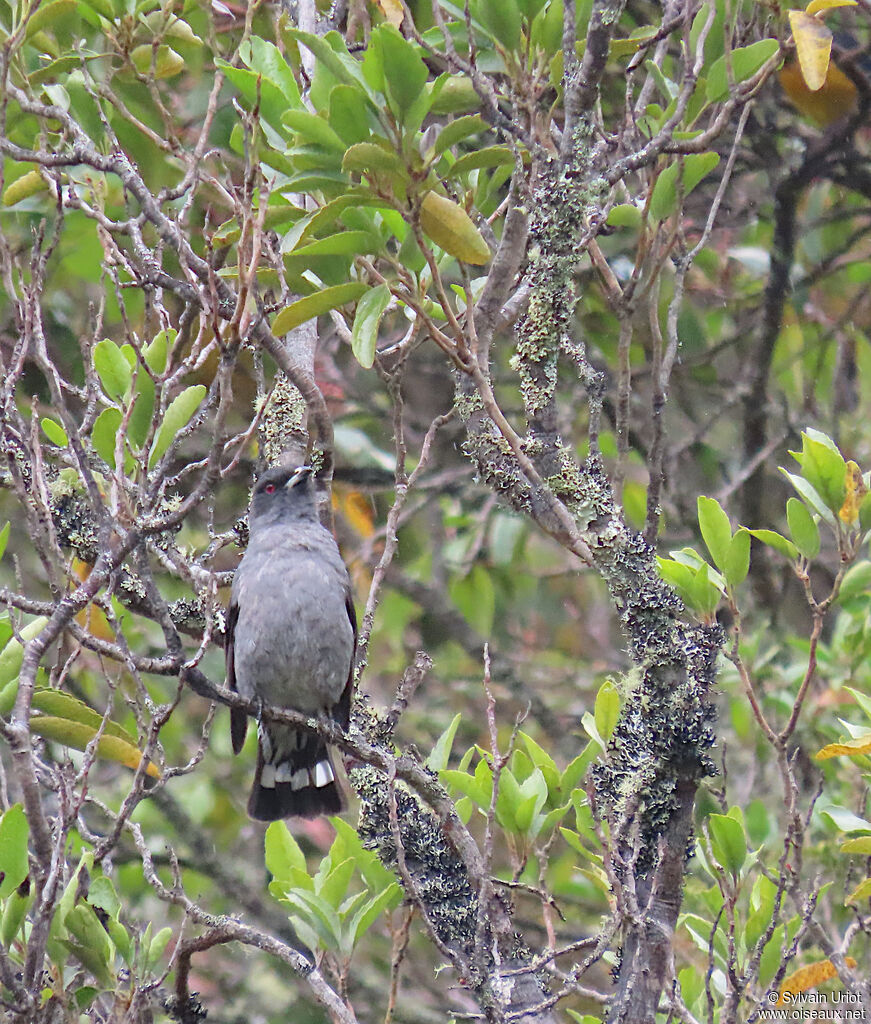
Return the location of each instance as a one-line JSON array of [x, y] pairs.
[[810, 976], [862, 845], [860, 745], [393, 12], [813, 44], [357, 510], [451, 228], [167, 63], [91, 618], [23, 188], [78, 735], [856, 491], [861, 892], [816, 6]]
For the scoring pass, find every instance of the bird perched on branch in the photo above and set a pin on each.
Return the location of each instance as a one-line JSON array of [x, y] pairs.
[[291, 632]]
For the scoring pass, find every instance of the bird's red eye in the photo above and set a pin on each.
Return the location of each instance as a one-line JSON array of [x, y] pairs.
[[269, 488]]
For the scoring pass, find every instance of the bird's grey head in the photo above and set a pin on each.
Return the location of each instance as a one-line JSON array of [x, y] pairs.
[[284, 495]]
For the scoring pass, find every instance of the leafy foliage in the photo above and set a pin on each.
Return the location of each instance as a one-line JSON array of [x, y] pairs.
[[526, 295]]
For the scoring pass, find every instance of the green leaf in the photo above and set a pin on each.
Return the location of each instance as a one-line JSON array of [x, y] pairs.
[[624, 215], [607, 709], [314, 129], [543, 761], [349, 113], [180, 412], [810, 495], [156, 351], [91, 945], [451, 228], [502, 19], [775, 540], [716, 529], [369, 158], [354, 200], [530, 8], [372, 67], [441, 751], [282, 851], [104, 434], [334, 887], [525, 813], [456, 96], [577, 768], [68, 898], [157, 946], [6, 631], [164, 62], [318, 915], [457, 130], [705, 594], [676, 575], [314, 305], [14, 832], [491, 156], [120, 936], [345, 243], [405, 74], [696, 166], [265, 58], [374, 873], [667, 88], [101, 894], [728, 842], [14, 913], [310, 157], [12, 655], [843, 819], [477, 787], [589, 724], [714, 40], [340, 65], [368, 914], [865, 512], [254, 88], [46, 16], [803, 528], [364, 334], [112, 369], [824, 468], [508, 801], [4, 539], [475, 597], [746, 61], [533, 795], [857, 580], [547, 29], [143, 409], [63, 705], [737, 563], [55, 432]]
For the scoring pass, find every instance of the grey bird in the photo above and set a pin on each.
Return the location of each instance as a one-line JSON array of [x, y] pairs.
[[290, 639]]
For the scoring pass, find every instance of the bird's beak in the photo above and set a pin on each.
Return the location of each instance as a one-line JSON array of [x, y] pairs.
[[300, 474]]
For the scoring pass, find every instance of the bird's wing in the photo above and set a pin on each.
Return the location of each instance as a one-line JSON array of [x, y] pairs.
[[342, 710], [238, 718]]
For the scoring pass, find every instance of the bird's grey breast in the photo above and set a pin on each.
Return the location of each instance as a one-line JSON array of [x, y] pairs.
[[294, 641]]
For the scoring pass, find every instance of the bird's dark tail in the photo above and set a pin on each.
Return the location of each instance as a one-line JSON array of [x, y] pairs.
[[295, 777]]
